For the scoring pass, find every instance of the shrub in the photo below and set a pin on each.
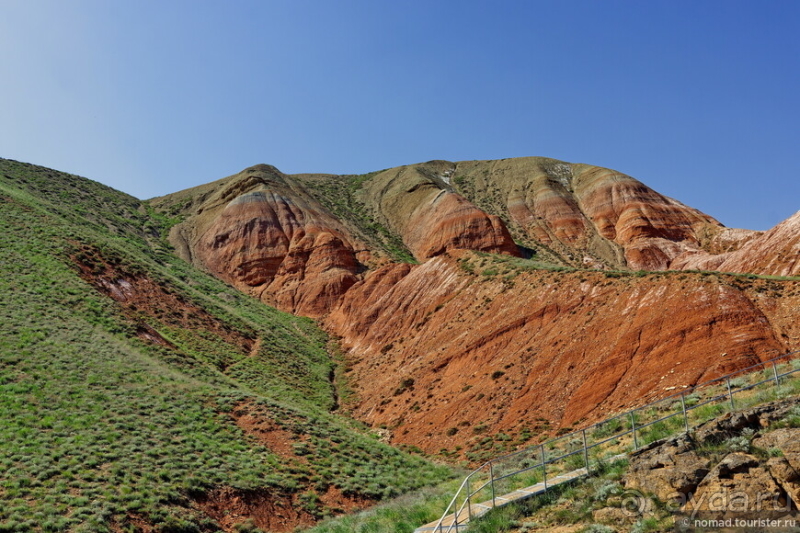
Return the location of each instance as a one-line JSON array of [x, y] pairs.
[[742, 442]]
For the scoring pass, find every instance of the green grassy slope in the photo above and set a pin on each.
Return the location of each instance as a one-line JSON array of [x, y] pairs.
[[343, 196], [103, 428]]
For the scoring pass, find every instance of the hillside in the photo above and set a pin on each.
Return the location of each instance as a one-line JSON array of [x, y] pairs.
[[478, 353], [482, 341], [140, 394], [458, 310], [743, 465]]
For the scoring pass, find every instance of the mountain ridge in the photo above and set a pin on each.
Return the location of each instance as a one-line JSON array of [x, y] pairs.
[[614, 240]]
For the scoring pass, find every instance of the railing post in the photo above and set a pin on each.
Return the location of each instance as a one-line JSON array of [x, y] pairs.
[[730, 393], [775, 373], [544, 468], [585, 452], [469, 502], [491, 475], [633, 430], [685, 414]]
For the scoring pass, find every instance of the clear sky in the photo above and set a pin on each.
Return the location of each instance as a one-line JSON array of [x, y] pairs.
[[698, 99]]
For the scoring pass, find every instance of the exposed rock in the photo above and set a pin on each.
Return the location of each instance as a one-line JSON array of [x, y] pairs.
[[280, 249], [728, 425], [762, 416], [611, 515], [776, 252], [430, 217], [587, 211], [266, 234], [717, 240], [738, 484], [787, 440], [261, 232], [786, 476], [784, 439], [670, 471], [560, 347]]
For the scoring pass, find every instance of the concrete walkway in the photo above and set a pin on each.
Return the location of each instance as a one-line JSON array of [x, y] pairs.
[[459, 523]]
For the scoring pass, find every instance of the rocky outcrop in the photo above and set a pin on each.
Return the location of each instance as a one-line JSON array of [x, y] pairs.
[[261, 232], [737, 483], [775, 252], [279, 249], [737, 463], [668, 471], [418, 204], [269, 236], [588, 215], [542, 350]]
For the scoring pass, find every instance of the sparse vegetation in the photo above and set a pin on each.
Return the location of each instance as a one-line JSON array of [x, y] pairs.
[[340, 196]]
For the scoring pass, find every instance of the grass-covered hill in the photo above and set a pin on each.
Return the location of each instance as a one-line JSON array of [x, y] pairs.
[[138, 393]]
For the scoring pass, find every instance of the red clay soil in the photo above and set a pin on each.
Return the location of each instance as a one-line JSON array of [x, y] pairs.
[[139, 295], [268, 510], [258, 424], [436, 351]]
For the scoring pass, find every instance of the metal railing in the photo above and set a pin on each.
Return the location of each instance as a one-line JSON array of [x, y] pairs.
[[572, 453]]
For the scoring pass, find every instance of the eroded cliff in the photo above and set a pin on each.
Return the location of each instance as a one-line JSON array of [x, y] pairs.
[[462, 346], [447, 352]]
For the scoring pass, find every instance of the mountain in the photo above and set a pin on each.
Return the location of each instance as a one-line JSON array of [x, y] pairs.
[[457, 310], [506, 298], [138, 393]]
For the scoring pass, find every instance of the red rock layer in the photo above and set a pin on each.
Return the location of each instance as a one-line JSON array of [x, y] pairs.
[[281, 249], [435, 352], [651, 228], [588, 215], [418, 204], [449, 222]]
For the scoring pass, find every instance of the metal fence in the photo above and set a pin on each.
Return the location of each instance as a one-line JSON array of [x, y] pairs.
[[577, 453]]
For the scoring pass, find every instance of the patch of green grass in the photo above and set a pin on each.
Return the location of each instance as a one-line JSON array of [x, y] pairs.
[[401, 515], [339, 194], [791, 420]]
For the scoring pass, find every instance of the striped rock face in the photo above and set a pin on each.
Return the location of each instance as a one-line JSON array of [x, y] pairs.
[[281, 249], [444, 357], [774, 253], [465, 344], [420, 205], [587, 215]]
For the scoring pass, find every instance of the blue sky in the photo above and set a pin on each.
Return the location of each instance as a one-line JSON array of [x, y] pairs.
[[698, 99]]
